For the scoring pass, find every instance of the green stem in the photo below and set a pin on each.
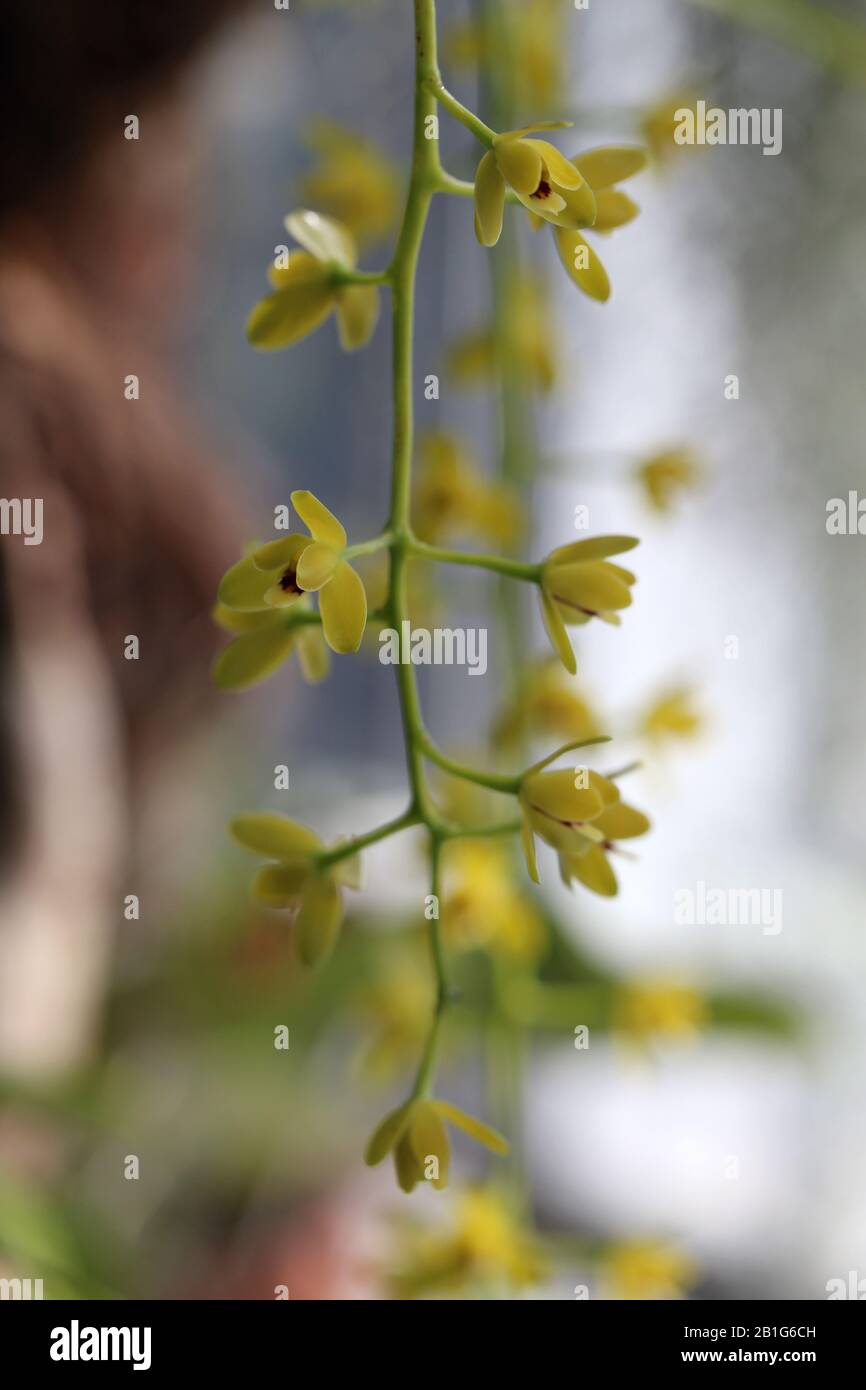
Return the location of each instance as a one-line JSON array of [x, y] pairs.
[[427, 1066], [461, 113], [498, 564], [382, 542], [358, 842], [493, 780]]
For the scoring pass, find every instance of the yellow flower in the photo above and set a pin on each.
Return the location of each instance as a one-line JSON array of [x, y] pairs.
[[416, 1135], [601, 169], [547, 702], [352, 182], [276, 576], [524, 339], [578, 812], [659, 122], [646, 1270], [453, 499], [671, 715], [312, 286], [545, 182], [398, 1004], [658, 1008], [262, 643], [295, 879], [482, 906], [666, 474], [485, 1247], [579, 583], [534, 37]]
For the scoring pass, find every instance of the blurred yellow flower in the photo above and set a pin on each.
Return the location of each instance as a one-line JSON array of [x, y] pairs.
[[524, 339], [671, 715], [398, 1005], [416, 1135], [579, 583], [482, 905], [602, 169], [534, 36], [659, 122], [547, 702], [545, 182], [663, 476], [312, 286], [646, 1270], [352, 182], [649, 1009], [453, 499], [262, 642], [484, 1247], [295, 879]]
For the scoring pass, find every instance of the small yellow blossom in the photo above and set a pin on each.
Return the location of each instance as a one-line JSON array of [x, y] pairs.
[[352, 182], [579, 583], [482, 906], [262, 643], [398, 1005], [649, 1009], [663, 476], [533, 35], [579, 813], [547, 702], [312, 286], [416, 1135], [659, 122], [646, 1270], [671, 715], [276, 575], [523, 339], [294, 879], [453, 499], [545, 182], [484, 1247], [602, 169]]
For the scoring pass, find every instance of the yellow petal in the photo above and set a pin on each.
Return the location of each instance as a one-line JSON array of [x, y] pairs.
[[528, 841], [593, 548], [622, 822], [280, 885], [323, 237], [302, 269], [476, 1129], [357, 315], [580, 208], [555, 794], [591, 586], [312, 654], [489, 200], [343, 606], [283, 318], [582, 264], [610, 164], [614, 209], [322, 524], [316, 566], [276, 555], [253, 657], [318, 922], [274, 836], [593, 870], [406, 1164], [243, 587], [232, 621], [519, 164], [429, 1139], [555, 629], [388, 1133], [562, 171]]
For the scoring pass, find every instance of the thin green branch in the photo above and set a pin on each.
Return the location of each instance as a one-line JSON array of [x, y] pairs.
[[498, 564], [461, 113]]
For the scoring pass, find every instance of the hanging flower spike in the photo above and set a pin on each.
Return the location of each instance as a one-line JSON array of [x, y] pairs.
[[579, 583], [294, 879], [415, 1134], [311, 287], [601, 169], [545, 182], [320, 568]]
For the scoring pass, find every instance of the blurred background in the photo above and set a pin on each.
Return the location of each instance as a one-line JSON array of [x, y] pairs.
[[709, 1141]]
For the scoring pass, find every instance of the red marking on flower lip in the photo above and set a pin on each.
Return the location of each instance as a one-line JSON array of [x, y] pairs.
[[578, 608], [569, 824], [543, 190], [288, 581]]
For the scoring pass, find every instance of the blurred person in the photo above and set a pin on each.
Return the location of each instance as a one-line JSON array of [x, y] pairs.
[[97, 234]]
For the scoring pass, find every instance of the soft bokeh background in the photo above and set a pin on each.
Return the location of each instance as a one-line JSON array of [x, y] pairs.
[[745, 1149]]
